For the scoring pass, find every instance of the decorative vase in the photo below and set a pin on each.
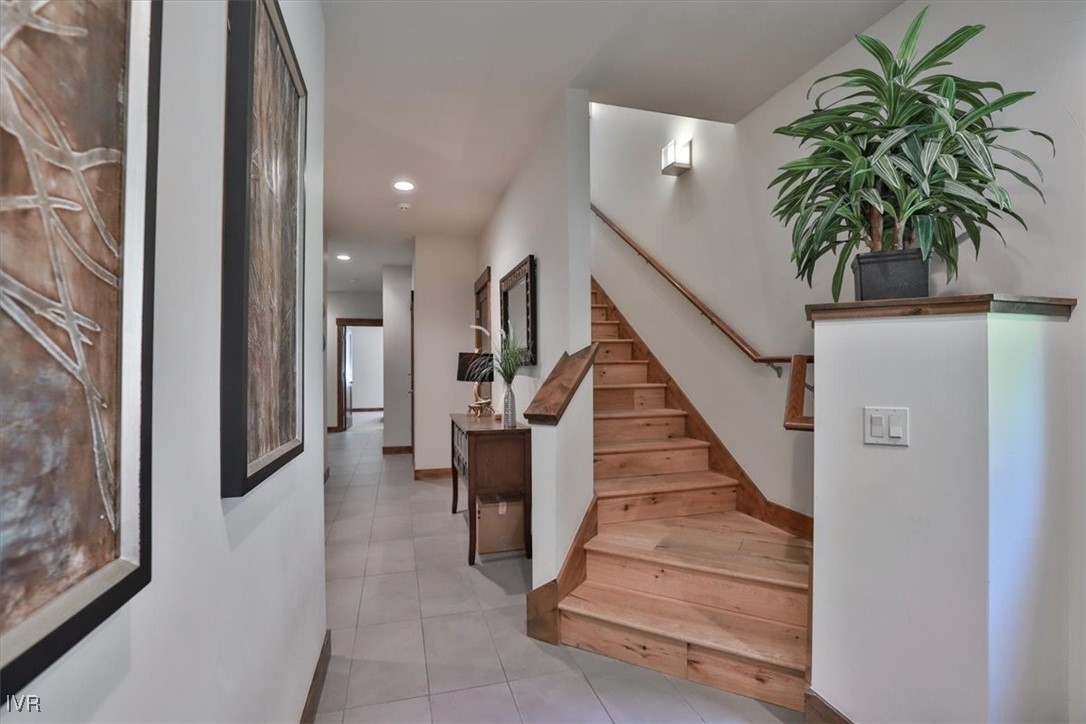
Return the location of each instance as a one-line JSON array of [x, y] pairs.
[[891, 275], [509, 408]]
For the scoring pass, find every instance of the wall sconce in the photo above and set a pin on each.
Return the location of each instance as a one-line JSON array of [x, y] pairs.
[[675, 158]]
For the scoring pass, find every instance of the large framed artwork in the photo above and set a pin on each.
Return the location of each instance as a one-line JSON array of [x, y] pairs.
[[78, 128], [263, 248]]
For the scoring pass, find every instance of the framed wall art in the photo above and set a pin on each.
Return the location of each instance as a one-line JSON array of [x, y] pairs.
[[79, 128], [263, 248]]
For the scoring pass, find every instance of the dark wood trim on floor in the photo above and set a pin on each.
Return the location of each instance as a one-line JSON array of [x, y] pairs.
[[397, 450], [433, 473], [542, 603], [335, 428], [357, 322], [817, 710], [749, 498], [316, 686], [367, 409]]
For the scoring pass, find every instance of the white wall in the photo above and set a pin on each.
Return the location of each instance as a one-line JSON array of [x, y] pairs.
[[232, 622], [445, 272], [357, 305], [368, 366], [545, 212], [939, 587], [396, 303]]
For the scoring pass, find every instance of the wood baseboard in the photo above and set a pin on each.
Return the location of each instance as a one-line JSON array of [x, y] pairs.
[[327, 474], [433, 473], [817, 710], [367, 409], [336, 428], [397, 450], [749, 499], [542, 619], [316, 686]]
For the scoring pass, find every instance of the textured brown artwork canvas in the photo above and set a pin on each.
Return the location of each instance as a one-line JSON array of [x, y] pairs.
[[273, 364], [61, 197]]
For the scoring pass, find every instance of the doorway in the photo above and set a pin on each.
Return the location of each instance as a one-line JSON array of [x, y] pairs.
[[359, 368]]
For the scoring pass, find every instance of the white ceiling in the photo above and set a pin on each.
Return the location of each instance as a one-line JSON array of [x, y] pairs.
[[452, 94]]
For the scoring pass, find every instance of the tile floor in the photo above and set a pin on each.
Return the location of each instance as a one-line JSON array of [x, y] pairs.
[[419, 636]]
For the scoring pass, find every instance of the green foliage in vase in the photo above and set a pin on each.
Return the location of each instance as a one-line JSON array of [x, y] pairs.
[[910, 156], [505, 362]]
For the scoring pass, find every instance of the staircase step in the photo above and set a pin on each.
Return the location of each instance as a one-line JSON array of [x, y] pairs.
[[629, 396], [749, 637], [625, 458], [616, 372], [599, 312], [604, 330], [726, 560], [663, 496], [639, 424], [615, 349]]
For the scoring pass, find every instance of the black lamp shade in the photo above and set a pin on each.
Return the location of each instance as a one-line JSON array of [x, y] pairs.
[[470, 370]]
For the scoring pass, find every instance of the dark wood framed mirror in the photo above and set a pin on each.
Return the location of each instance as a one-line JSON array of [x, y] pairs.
[[519, 307]]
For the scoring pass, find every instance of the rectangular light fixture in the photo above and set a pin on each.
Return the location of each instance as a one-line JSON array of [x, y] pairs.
[[675, 158]]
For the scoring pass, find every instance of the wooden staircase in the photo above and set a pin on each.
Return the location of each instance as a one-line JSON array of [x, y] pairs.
[[676, 579]]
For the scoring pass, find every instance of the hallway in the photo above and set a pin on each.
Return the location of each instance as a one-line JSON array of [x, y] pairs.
[[419, 636]]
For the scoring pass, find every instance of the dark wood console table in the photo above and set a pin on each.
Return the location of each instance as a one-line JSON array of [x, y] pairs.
[[495, 460]]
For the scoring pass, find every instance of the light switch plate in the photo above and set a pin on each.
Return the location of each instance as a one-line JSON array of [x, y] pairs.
[[886, 426]]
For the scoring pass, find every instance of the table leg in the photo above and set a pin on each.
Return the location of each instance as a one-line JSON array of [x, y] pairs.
[[456, 489], [471, 529]]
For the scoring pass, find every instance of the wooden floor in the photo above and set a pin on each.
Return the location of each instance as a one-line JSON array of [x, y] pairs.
[[676, 579]]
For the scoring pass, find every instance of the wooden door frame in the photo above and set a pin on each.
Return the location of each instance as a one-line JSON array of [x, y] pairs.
[[483, 282], [341, 403]]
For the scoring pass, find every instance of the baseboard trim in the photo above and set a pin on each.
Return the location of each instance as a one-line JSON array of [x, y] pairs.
[[367, 409], [327, 474], [397, 450], [316, 686], [433, 473], [542, 621], [336, 428], [817, 710]]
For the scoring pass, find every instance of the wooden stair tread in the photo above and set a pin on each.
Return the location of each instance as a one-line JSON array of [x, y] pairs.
[[736, 634], [612, 340], [623, 361], [617, 447], [663, 483], [730, 544], [631, 386], [640, 412]]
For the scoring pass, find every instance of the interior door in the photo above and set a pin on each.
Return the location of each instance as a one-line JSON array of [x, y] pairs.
[[348, 378]]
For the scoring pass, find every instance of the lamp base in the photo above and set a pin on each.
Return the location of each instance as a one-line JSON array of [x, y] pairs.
[[481, 407]]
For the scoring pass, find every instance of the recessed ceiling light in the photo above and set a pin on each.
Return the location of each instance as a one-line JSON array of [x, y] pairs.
[[404, 185], [343, 257]]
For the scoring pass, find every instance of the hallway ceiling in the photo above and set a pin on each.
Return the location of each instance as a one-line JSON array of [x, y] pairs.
[[453, 94]]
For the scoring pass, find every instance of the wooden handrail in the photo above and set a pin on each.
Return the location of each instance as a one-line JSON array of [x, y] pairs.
[[556, 392], [794, 419], [714, 319]]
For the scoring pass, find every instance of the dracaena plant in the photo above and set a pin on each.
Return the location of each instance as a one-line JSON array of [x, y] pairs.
[[907, 157]]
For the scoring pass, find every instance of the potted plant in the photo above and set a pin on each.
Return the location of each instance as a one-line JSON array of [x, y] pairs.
[[505, 362], [903, 161]]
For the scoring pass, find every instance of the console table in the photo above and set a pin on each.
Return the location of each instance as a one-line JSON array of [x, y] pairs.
[[495, 460]]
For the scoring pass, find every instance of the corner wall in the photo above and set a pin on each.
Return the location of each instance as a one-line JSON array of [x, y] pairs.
[[545, 212], [360, 305], [232, 622], [396, 306], [445, 270]]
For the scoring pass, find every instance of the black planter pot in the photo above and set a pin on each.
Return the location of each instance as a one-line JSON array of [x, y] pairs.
[[891, 275]]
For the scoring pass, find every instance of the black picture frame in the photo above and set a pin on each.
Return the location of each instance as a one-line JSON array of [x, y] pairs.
[[128, 577], [522, 274], [236, 477]]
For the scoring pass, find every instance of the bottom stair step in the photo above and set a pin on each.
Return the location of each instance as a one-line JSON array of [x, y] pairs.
[[743, 654]]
